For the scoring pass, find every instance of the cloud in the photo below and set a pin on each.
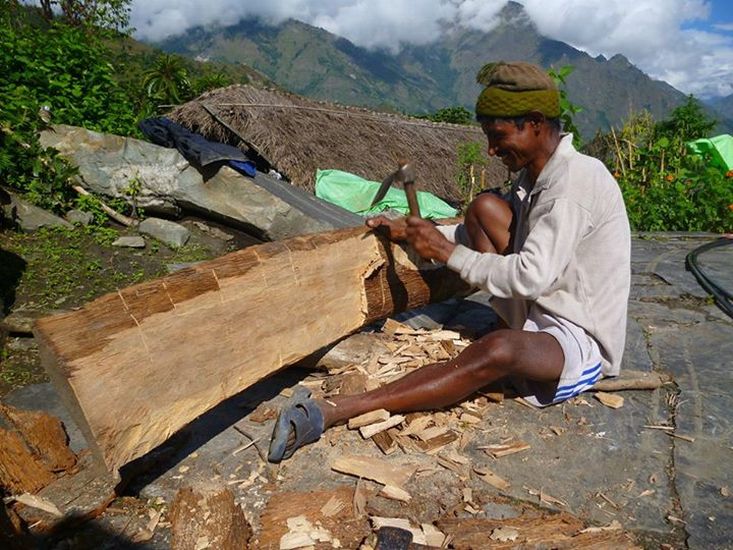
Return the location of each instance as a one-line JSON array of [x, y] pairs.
[[661, 38]]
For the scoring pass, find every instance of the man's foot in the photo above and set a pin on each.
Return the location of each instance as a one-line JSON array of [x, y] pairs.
[[300, 422]]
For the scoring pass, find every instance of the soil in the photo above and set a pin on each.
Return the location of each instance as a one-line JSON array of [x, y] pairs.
[[54, 270]]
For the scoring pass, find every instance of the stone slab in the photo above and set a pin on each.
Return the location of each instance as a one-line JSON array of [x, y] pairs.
[[700, 358]]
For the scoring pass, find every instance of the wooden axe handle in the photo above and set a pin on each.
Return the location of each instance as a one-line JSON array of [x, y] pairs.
[[412, 198]]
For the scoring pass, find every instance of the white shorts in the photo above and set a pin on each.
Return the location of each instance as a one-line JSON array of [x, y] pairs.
[[582, 366]]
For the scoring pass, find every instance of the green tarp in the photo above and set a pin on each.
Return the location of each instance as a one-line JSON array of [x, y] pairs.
[[718, 149], [356, 194]]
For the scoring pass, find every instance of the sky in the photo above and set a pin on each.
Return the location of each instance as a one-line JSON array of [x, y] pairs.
[[687, 43]]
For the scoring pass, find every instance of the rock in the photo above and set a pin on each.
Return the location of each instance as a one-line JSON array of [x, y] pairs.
[[131, 241], [169, 233], [31, 218], [21, 321], [80, 217], [214, 231], [108, 165]]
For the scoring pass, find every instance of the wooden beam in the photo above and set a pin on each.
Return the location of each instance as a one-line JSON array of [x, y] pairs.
[[137, 365]]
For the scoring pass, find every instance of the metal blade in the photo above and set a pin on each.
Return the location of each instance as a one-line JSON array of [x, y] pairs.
[[382, 191]]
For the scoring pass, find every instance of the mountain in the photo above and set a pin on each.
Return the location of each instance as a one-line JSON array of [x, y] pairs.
[[723, 105], [421, 79]]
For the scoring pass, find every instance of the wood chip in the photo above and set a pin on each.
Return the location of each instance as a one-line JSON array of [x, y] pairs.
[[491, 478], [393, 328], [38, 503], [724, 491], [374, 469], [430, 433], [385, 441], [395, 493], [295, 540], [658, 427], [613, 526], [373, 429], [504, 449], [504, 534], [682, 437], [332, 507], [372, 417], [417, 425], [147, 533], [494, 397], [611, 400], [433, 536], [468, 418], [360, 499], [549, 499], [604, 497], [434, 445]]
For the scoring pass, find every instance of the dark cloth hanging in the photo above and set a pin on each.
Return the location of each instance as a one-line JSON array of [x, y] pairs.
[[195, 148]]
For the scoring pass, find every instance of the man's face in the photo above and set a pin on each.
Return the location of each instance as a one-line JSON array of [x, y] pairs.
[[515, 146]]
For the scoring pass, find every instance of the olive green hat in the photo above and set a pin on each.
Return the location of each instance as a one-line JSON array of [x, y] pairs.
[[513, 89]]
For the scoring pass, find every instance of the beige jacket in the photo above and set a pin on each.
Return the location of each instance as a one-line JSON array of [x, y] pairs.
[[571, 252]]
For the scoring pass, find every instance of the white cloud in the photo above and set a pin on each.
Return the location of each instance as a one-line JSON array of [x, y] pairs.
[[654, 35]]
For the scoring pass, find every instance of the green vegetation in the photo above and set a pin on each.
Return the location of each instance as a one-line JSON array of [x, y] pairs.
[[57, 69], [666, 188], [567, 109], [471, 164], [52, 72], [454, 115]]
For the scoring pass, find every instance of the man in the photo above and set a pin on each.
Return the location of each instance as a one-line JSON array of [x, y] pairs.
[[555, 258]]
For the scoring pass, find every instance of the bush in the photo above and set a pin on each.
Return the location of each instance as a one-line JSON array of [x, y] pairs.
[[54, 72], [664, 187]]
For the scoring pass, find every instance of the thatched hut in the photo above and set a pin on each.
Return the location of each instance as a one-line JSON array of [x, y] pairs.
[[297, 136]]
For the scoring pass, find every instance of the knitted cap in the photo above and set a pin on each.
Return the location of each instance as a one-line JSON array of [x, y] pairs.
[[514, 89]]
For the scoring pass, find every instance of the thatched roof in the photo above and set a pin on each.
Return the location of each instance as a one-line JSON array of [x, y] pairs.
[[297, 136]]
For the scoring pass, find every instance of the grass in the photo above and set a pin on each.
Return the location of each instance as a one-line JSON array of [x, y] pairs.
[[61, 269]]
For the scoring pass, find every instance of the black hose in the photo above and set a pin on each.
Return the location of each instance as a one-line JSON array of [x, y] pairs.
[[723, 298]]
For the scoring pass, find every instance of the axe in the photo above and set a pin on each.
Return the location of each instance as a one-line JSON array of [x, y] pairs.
[[405, 174]]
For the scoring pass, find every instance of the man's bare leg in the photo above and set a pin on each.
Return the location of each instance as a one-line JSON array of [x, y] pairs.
[[537, 356], [533, 355]]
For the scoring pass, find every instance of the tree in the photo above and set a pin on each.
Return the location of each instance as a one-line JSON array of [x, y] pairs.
[[453, 115], [687, 122], [108, 14], [211, 81], [167, 80]]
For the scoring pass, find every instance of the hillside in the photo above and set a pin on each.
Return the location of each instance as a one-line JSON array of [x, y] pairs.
[[315, 63]]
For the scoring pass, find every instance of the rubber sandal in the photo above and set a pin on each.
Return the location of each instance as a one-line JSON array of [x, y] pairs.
[[301, 416]]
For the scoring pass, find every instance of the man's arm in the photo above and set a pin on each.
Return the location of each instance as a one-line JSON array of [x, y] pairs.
[[545, 254]]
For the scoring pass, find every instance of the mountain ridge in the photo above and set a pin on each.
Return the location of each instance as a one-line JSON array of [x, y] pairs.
[[420, 79]]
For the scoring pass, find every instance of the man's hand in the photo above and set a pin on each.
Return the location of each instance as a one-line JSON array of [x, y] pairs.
[[395, 230], [427, 240]]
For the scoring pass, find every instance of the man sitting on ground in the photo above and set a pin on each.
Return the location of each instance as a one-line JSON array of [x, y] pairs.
[[555, 258]]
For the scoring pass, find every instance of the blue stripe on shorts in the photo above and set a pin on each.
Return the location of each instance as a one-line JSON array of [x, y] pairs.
[[587, 378]]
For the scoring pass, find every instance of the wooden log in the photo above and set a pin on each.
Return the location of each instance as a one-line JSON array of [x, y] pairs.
[[208, 517], [78, 496], [20, 470], [137, 365], [44, 435]]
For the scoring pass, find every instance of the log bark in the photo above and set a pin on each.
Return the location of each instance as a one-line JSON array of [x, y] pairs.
[[137, 365]]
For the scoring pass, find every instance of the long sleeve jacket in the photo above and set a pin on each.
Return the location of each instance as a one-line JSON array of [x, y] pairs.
[[571, 251]]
